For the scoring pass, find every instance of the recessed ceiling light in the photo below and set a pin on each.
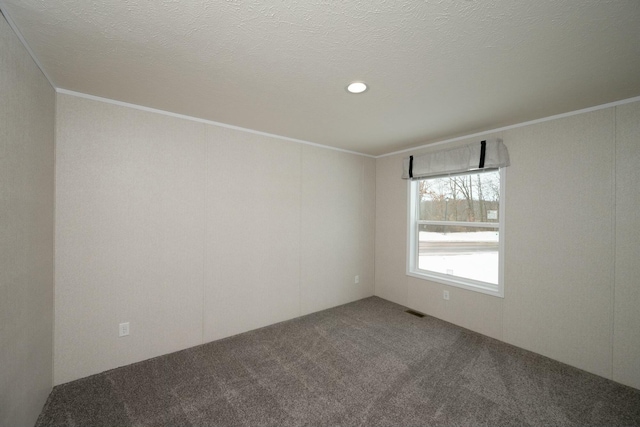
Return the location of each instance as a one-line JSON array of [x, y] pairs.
[[357, 87]]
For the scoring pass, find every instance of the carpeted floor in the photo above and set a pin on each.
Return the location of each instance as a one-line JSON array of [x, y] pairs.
[[366, 363]]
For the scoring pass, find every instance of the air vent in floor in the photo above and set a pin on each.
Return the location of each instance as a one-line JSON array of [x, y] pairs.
[[415, 313]]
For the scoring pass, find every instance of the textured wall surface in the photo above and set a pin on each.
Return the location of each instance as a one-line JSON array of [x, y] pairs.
[[571, 290], [129, 235], [337, 239], [27, 109], [626, 344], [193, 232], [559, 240], [252, 269]]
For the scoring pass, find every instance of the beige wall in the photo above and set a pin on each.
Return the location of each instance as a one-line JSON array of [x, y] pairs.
[[129, 235], [27, 109], [626, 333], [193, 232], [571, 235]]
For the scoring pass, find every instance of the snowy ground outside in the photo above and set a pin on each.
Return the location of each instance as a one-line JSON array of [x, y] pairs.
[[470, 255]]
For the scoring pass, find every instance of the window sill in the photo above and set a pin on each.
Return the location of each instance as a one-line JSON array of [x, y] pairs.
[[459, 282]]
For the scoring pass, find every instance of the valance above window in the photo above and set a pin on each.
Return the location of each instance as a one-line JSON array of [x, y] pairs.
[[479, 155]]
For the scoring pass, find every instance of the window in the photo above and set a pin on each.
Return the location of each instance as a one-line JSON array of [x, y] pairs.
[[456, 228]]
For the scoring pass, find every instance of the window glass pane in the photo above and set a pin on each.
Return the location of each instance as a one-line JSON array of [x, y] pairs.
[[473, 197], [469, 252]]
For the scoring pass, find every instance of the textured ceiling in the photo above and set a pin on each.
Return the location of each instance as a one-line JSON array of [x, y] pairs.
[[436, 68]]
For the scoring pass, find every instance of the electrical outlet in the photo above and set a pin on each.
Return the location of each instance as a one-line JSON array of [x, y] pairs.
[[445, 295], [123, 329], [356, 279]]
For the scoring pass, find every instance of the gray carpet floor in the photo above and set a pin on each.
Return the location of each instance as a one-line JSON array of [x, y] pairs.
[[366, 363]]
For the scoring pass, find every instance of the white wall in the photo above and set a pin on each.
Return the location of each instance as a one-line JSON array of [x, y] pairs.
[[27, 109], [571, 271], [194, 232]]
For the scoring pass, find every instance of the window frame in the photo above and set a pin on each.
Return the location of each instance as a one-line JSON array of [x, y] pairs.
[[457, 281]]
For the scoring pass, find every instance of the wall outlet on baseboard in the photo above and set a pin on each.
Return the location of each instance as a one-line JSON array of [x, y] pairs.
[[445, 295], [356, 279], [123, 329]]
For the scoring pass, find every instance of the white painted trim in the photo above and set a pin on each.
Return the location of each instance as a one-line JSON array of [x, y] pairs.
[[205, 121], [518, 125], [412, 213], [15, 29], [456, 281], [462, 223], [502, 248]]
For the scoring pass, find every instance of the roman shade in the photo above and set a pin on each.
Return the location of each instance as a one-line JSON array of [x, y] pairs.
[[488, 154]]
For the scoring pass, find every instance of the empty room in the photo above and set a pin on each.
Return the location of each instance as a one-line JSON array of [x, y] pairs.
[[319, 213]]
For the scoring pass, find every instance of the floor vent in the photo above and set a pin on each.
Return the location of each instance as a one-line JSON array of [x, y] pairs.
[[415, 313]]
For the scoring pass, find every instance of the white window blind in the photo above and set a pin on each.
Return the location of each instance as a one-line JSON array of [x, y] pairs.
[[489, 154]]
